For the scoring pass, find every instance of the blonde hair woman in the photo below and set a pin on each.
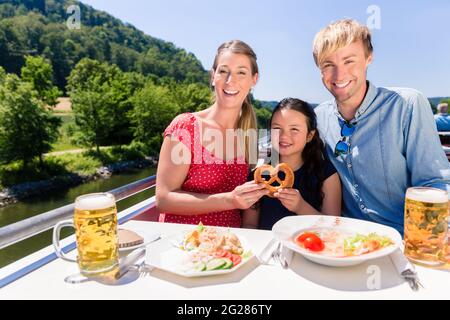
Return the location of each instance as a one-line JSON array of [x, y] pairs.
[[203, 164]]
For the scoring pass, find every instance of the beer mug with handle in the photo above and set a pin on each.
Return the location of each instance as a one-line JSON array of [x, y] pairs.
[[426, 216], [95, 223]]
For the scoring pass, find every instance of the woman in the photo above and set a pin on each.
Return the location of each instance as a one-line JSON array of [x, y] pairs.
[[198, 180]]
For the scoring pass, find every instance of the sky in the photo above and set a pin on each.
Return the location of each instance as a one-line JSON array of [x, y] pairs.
[[411, 38]]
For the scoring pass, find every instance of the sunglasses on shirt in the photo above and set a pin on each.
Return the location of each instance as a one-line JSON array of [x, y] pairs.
[[343, 146]]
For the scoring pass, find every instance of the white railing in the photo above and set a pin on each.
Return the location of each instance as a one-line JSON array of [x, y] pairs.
[[27, 228]]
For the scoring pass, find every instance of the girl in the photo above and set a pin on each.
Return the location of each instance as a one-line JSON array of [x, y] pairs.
[[317, 188], [199, 181]]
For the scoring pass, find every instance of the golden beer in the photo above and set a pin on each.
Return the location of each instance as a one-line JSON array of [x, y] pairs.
[[95, 221], [426, 215]]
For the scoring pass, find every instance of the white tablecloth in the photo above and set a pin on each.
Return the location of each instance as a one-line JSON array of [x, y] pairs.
[[303, 280]]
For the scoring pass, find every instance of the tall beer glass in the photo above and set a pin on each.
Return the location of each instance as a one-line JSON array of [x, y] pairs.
[[426, 215], [95, 223]]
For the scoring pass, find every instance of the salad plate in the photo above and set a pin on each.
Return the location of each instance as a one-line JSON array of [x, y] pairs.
[[336, 241], [200, 251]]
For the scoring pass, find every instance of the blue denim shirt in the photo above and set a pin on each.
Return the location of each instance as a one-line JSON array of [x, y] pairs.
[[395, 145]]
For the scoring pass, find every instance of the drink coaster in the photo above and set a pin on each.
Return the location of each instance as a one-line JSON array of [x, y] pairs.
[[128, 238]]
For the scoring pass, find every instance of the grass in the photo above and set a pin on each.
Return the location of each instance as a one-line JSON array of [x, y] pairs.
[[85, 163], [64, 143]]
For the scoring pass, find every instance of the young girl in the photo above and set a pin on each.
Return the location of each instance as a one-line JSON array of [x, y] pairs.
[[317, 188]]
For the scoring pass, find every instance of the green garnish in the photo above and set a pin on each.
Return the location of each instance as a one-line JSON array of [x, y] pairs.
[[247, 254], [352, 243]]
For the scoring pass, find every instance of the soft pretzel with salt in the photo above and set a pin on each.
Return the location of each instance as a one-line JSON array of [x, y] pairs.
[[288, 181]]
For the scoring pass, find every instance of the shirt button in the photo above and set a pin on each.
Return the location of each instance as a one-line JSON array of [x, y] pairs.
[[362, 207], [356, 185], [349, 165]]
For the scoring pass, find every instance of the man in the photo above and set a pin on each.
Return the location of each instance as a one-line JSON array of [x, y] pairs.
[[380, 140], [442, 118]]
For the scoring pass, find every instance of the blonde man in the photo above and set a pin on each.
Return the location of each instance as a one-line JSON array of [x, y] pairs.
[[380, 140]]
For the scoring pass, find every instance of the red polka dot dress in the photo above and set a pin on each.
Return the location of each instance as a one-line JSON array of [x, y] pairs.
[[207, 174]]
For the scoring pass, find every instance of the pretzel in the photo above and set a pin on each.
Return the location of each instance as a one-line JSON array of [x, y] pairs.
[[288, 181]]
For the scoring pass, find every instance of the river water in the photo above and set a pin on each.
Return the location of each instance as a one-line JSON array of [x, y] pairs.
[[31, 207]]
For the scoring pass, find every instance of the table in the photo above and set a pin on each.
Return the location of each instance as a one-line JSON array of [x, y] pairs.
[[303, 279]]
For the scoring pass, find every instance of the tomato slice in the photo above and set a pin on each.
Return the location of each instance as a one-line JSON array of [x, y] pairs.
[[223, 254], [302, 237], [310, 241], [314, 244], [236, 259]]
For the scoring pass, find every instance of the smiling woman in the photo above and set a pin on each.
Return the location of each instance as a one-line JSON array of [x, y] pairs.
[[203, 187]]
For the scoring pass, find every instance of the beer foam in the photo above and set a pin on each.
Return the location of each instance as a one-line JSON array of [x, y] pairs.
[[94, 201], [430, 195]]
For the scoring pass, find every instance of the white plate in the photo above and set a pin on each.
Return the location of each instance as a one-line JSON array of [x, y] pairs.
[[287, 228], [148, 235], [165, 255]]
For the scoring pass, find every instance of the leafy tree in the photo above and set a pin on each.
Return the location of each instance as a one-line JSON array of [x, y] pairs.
[[27, 129], [154, 108], [2, 75], [92, 117], [39, 73], [263, 116], [95, 101], [100, 95], [191, 97]]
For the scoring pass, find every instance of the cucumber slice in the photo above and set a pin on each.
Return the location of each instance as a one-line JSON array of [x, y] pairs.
[[215, 264], [228, 264], [200, 266]]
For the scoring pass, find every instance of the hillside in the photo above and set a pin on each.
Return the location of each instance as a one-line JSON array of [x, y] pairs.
[[38, 27]]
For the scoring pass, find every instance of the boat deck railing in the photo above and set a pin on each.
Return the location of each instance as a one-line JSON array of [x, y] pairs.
[[32, 226]]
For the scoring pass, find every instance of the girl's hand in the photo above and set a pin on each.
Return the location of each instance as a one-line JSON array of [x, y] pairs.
[[290, 198], [247, 194]]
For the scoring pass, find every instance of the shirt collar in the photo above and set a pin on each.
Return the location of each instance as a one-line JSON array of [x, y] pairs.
[[367, 102]]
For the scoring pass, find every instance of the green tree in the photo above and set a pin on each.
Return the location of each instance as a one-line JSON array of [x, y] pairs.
[[92, 118], [191, 97], [93, 102], [100, 95], [2, 75], [39, 73], [27, 129], [154, 108], [263, 116]]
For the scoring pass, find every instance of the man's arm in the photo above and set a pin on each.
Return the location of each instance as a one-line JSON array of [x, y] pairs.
[[425, 157]]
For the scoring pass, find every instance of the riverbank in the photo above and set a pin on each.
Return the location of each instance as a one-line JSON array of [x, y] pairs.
[[26, 190]]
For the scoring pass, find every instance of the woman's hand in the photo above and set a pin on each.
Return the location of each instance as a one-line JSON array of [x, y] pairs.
[[247, 194], [290, 198]]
